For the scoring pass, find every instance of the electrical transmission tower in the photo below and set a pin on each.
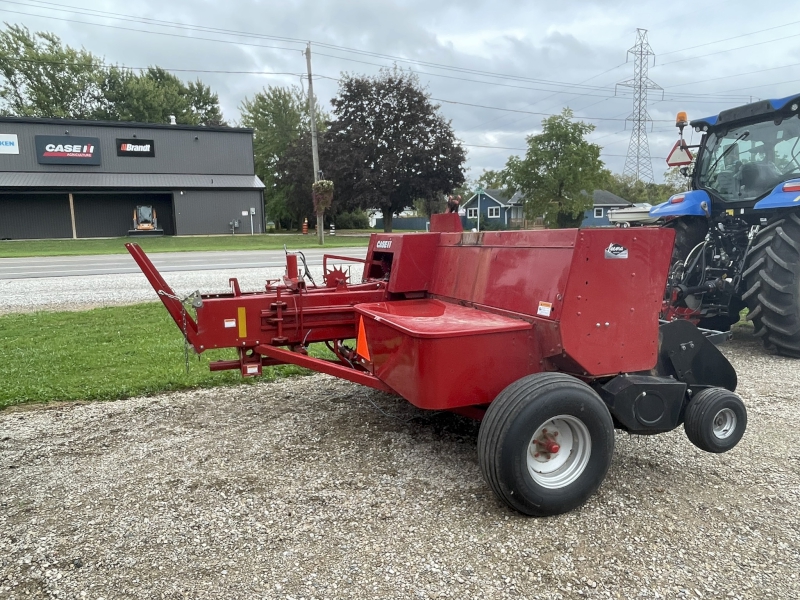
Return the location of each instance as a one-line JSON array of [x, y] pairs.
[[638, 162]]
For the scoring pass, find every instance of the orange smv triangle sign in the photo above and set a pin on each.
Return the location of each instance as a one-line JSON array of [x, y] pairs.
[[361, 343], [679, 155]]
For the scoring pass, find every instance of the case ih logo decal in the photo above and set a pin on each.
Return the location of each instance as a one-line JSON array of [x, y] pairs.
[[136, 147], [616, 251], [67, 150], [383, 244]]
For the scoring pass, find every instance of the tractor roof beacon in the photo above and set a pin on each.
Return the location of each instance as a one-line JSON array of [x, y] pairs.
[[738, 226]]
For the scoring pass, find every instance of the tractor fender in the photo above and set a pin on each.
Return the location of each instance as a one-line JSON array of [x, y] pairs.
[[777, 198], [683, 204]]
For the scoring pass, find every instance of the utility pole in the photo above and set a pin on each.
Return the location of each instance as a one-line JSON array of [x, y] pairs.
[[314, 149], [638, 163]]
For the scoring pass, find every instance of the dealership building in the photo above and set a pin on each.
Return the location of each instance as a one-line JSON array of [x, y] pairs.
[[80, 179]]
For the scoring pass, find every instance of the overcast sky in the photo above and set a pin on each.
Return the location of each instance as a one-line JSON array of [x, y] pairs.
[[536, 56]]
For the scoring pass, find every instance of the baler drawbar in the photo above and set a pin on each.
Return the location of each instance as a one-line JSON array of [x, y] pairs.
[[550, 337]]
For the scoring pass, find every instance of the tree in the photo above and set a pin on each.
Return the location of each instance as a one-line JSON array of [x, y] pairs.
[[279, 116], [558, 165], [154, 96], [391, 144], [293, 178], [637, 191], [42, 78], [491, 180]]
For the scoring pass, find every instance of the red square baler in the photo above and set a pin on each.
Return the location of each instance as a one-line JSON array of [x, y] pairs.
[[551, 337]]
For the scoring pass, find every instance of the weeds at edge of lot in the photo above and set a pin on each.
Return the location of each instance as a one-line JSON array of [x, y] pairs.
[[106, 354], [86, 247]]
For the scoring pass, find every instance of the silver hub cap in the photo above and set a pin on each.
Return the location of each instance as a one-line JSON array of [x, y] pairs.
[[559, 452], [724, 423]]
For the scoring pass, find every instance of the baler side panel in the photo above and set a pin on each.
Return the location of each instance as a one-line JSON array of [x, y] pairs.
[[514, 272], [609, 320], [439, 355]]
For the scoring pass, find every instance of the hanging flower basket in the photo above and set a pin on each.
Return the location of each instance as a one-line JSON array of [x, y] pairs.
[[323, 194]]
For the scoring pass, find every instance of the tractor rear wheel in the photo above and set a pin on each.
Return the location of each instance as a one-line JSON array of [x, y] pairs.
[[772, 284], [545, 444]]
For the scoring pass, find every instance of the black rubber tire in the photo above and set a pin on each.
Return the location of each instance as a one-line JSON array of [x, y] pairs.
[[701, 412], [689, 231], [507, 429], [772, 284]]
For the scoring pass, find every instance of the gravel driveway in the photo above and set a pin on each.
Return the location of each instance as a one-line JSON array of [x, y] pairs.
[[317, 488], [91, 291]]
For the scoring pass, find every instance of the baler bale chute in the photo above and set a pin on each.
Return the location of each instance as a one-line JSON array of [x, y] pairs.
[[551, 338]]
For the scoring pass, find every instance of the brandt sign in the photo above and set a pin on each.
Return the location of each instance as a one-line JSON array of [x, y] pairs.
[[67, 150], [136, 147]]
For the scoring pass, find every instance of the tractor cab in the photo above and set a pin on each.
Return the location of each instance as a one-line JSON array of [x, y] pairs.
[[744, 156]]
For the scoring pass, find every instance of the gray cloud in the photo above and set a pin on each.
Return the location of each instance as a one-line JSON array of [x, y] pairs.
[[560, 44]]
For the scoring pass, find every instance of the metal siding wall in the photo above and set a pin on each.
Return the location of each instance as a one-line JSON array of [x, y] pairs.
[[34, 216], [199, 212], [111, 214], [177, 150]]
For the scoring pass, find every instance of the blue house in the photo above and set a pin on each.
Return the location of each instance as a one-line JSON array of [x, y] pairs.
[[597, 216], [497, 210]]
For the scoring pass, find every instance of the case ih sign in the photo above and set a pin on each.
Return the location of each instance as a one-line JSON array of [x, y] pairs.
[[136, 147], [67, 150]]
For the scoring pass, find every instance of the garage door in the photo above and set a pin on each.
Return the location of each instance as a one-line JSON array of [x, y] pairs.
[[34, 216], [111, 214]]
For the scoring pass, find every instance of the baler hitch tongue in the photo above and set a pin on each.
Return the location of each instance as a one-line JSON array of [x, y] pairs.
[[171, 301]]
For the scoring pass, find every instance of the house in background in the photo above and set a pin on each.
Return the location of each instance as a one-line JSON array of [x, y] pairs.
[[597, 216], [497, 210]]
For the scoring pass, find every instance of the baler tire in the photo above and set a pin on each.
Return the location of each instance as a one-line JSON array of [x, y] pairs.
[[715, 420], [507, 432], [772, 284]]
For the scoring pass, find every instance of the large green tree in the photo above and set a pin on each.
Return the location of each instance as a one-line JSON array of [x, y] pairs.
[[279, 116], [42, 77], [155, 95], [560, 164], [392, 146]]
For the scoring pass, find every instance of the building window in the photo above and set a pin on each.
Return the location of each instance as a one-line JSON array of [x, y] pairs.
[[494, 212], [472, 213], [598, 213]]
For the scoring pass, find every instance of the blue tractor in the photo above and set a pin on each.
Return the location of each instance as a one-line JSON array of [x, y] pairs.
[[737, 241]]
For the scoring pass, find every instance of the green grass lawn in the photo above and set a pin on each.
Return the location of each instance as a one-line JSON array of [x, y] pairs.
[[105, 354], [20, 248]]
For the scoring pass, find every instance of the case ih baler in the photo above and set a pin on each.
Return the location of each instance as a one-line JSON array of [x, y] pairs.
[[552, 338]]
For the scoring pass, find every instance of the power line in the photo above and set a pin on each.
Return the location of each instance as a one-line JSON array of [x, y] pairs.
[[172, 25], [129, 68], [730, 38], [529, 112], [672, 62]]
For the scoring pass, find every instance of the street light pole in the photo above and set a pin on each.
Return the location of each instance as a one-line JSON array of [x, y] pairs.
[[479, 191]]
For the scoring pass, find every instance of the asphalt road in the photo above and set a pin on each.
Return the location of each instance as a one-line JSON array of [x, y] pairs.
[[166, 262]]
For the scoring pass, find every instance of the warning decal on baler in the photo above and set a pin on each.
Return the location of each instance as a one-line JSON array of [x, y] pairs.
[[544, 309], [616, 251], [230, 323]]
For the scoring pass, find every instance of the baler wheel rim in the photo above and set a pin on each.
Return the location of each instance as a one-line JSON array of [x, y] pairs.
[[724, 423], [561, 468]]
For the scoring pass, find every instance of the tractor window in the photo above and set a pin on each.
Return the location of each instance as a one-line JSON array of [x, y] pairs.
[[747, 162]]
